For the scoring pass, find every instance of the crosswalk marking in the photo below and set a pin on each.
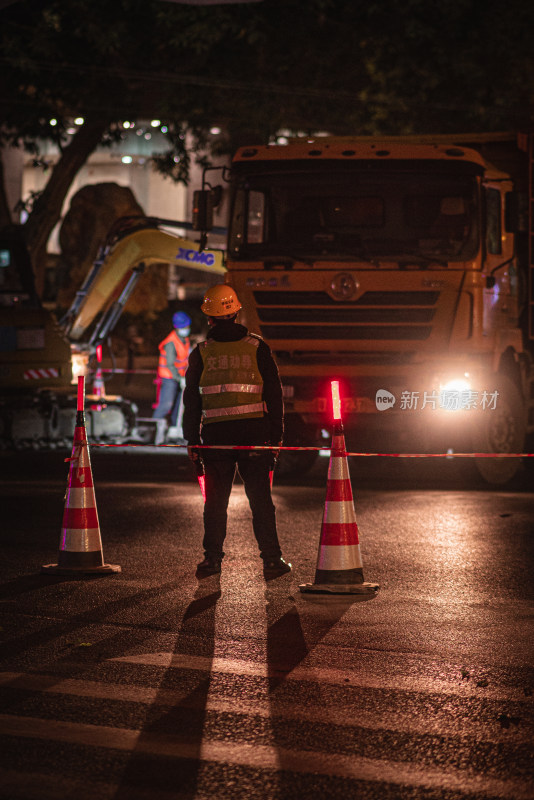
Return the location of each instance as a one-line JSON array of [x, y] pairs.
[[330, 676], [312, 713], [263, 757]]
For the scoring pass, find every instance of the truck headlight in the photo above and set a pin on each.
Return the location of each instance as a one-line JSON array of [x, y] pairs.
[[456, 394]]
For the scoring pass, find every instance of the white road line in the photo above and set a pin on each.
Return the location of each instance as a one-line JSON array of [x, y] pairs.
[[335, 677], [405, 722], [262, 757]]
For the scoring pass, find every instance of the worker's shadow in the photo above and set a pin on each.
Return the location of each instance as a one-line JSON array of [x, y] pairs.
[[178, 710]]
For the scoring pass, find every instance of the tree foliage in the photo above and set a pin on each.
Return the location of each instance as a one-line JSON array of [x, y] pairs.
[[381, 67]]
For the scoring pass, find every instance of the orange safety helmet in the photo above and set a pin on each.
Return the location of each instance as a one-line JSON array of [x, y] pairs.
[[220, 301]]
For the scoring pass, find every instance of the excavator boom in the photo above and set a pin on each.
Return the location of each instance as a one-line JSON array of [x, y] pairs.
[[141, 247]]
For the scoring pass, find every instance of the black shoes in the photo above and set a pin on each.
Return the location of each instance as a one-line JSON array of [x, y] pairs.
[[271, 568], [275, 567], [210, 566]]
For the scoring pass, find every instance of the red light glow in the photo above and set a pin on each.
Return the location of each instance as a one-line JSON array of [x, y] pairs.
[[336, 400], [81, 393], [99, 353], [202, 484]]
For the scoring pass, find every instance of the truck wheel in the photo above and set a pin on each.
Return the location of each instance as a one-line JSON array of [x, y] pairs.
[[501, 430], [292, 463]]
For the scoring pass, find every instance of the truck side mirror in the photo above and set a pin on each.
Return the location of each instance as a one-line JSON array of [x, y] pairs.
[[202, 210], [515, 212], [216, 195]]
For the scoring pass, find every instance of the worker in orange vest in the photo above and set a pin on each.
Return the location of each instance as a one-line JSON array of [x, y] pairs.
[[172, 365]]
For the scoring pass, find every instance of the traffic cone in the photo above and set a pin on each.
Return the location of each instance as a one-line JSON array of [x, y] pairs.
[[80, 546], [339, 564]]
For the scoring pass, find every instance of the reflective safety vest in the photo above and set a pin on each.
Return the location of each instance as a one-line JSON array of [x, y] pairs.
[[231, 384], [181, 359]]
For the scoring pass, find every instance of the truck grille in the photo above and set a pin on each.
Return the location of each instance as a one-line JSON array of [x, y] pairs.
[[378, 315], [346, 357]]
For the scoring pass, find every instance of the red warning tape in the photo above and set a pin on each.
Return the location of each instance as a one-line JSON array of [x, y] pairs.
[[324, 449], [120, 371]]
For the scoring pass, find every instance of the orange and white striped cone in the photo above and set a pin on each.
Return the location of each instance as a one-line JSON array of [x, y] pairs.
[[339, 564], [80, 546]]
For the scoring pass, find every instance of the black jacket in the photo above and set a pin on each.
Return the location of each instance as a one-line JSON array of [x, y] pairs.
[[266, 430]]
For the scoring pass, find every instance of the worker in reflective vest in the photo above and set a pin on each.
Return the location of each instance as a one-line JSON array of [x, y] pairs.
[[173, 357], [233, 396]]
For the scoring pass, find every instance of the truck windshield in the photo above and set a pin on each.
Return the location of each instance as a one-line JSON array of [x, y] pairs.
[[349, 212]]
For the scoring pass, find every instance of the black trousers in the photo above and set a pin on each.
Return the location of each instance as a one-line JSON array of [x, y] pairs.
[[254, 468]]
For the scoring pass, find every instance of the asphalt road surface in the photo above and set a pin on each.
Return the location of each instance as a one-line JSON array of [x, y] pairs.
[[150, 683]]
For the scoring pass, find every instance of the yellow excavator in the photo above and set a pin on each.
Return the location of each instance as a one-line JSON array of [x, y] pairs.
[[41, 358]]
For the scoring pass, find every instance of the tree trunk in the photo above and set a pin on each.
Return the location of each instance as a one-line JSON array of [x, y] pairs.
[[46, 211]]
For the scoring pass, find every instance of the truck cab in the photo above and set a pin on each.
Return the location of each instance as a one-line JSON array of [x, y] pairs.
[[398, 266]]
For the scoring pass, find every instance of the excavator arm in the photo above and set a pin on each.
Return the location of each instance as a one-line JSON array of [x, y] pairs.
[[116, 272]]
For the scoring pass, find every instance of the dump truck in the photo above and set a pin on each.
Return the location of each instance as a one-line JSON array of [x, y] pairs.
[[403, 267]]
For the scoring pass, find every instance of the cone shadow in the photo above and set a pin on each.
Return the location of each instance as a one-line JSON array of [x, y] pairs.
[[289, 641]]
